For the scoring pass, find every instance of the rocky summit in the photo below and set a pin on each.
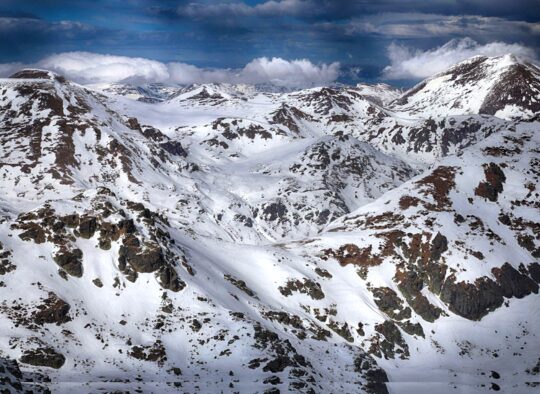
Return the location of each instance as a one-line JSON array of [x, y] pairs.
[[226, 238]]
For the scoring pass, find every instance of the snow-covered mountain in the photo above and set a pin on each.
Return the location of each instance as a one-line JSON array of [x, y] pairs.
[[229, 238], [503, 86], [149, 93]]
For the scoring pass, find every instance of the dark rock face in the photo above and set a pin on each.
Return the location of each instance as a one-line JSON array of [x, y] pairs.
[[10, 376], [425, 309], [205, 95], [472, 301], [142, 259], [326, 99], [375, 376], [388, 301], [352, 254], [33, 232], [392, 344], [518, 86], [475, 300], [464, 134], [288, 116], [411, 283], [112, 232], [174, 148], [70, 261], [412, 328], [438, 185], [342, 330], [278, 364], [54, 310], [127, 226], [534, 270], [439, 245], [97, 282], [241, 285], [274, 211], [43, 357], [376, 383], [87, 227], [513, 283], [71, 220], [404, 99], [285, 318], [284, 355], [422, 136], [31, 74], [169, 279], [468, 72], [6, 265], [493, 185], [157, 254], [234, 130]]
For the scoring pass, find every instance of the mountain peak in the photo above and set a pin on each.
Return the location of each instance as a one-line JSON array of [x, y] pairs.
[[35, 73], [476, 86]]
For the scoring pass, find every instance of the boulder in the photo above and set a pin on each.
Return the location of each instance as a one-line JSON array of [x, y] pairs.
[[87, 227], [54, 310], [70, 261]]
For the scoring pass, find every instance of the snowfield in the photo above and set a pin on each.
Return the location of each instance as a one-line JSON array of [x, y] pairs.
[[226, 238]]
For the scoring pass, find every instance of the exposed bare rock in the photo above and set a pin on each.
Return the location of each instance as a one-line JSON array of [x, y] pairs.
[[52, 310], [70, 260], [493, 185], [305, 286], [155, 352], [43, 357]]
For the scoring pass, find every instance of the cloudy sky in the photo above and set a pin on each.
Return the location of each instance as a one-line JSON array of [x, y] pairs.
[[255, 41]]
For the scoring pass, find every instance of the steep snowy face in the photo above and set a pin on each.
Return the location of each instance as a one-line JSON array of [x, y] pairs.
[[381, 93], [468, 224], [424, 141], [460, 240], [502, 86], [297, 188], [58, 136], [222, 238], [458, 243], [335, 105]]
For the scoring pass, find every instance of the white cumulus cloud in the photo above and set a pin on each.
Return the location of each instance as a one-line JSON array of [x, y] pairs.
[[407, 63], [282, 72], [87, 67], [7, 69]]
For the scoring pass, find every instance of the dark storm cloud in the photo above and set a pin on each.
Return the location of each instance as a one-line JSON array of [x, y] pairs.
[[229, 33], [329, 22], [417, 25], [22, 34], [344, 9]]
